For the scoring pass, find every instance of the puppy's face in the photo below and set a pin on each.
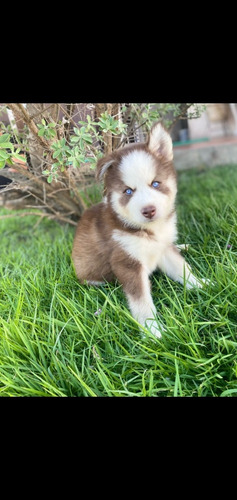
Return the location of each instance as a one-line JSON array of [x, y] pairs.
[[140, 180]]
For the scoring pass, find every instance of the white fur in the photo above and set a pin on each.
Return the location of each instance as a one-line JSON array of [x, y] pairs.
[[95, 283], [143, 310], [157, 252], [148, 250], [160, 142], [174, 265], [138, 172], [137, 169]]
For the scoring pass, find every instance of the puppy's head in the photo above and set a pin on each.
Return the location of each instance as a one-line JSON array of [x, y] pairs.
[[140, 180]]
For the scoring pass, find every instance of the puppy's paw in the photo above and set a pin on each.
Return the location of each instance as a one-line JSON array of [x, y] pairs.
[[193, 282], [154, 327], [205, 281]]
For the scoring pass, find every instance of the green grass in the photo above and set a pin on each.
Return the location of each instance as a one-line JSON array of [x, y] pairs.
[[53, 344]]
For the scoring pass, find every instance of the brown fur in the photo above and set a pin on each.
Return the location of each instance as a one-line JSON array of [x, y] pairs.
[[97, 257]]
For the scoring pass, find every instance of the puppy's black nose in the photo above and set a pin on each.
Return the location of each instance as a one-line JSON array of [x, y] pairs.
[[149, 212]]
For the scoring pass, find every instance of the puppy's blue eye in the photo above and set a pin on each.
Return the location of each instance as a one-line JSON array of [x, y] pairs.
[[128, 191], [155, 184]]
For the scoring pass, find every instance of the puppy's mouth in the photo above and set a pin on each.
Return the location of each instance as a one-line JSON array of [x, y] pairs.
[[149, 221]]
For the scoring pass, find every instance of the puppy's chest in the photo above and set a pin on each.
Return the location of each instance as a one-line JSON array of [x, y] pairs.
[[144, 248]]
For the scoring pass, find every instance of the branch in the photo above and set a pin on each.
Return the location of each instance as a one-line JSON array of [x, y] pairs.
[[68, 116], [19, 109], [65, 201], [70, 111], [41, 111], [182, 115]]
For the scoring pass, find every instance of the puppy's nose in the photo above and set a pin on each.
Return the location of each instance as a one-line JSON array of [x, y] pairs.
[[149, 212]]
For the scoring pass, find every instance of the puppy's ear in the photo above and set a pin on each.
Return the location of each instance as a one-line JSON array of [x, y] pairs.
[[102, 166], [160, 142]]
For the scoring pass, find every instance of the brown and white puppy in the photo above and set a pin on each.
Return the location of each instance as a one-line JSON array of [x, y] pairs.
[[132, 232]]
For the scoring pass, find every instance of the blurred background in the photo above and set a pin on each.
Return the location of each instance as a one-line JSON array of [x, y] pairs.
[[208, 140]]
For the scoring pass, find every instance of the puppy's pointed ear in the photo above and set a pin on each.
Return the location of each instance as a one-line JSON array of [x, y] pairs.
[[102, 166], [160, 142]]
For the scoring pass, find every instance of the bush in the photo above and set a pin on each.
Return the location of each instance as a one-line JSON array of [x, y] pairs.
[[50, 154]]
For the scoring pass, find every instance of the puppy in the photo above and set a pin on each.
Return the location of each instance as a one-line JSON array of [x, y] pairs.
[[132, 232]]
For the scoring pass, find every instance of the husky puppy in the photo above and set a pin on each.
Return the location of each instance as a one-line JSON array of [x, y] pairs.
[[132, 232]]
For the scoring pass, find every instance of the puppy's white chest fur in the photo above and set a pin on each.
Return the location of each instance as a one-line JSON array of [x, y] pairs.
[[148, 247]]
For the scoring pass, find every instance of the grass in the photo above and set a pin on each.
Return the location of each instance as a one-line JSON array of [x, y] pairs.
[[59, 338]]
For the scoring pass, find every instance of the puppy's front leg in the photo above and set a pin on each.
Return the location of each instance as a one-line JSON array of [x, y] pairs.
[[143, 308], [175, 266], [136, 285]]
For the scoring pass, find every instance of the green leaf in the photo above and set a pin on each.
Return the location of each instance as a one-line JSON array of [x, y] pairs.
[[55, 145], [52, 133], [4, 138], [56, 153], [88, 138], [102, 121], [228, 392], [50, 178], [2, 164], [75, 139], [9, 161], [76, 130], [41, 132], [4, 155], [74, 163], [6, 145]]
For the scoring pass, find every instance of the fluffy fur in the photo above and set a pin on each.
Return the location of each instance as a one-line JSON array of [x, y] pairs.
[[132, 232]]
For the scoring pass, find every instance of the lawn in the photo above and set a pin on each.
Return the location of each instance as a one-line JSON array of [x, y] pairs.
[[59, 338]]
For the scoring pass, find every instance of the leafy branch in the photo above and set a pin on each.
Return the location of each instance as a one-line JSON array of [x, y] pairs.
[[51, 158]]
